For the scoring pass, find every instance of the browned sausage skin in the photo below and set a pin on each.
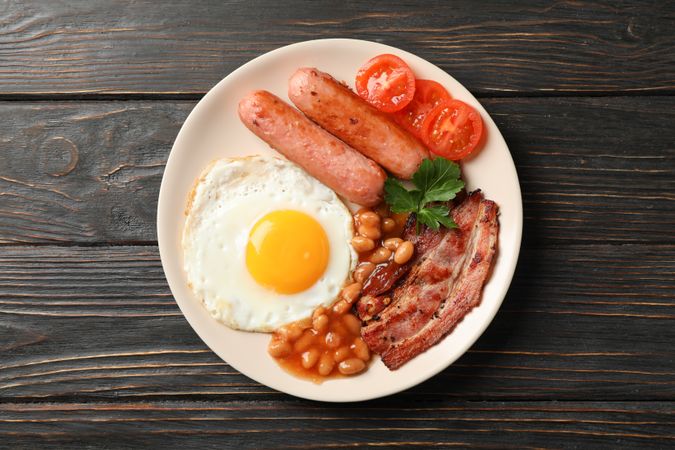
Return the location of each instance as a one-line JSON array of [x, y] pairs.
[[322, 155], [343, 113]]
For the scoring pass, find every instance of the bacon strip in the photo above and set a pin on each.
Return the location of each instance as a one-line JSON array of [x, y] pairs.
[[444, 284]]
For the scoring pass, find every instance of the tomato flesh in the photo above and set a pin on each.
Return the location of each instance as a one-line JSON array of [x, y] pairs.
[[386, 82], [428, 94], [452, 129]]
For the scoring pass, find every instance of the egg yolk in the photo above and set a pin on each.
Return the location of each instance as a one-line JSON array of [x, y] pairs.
[[287, 251]]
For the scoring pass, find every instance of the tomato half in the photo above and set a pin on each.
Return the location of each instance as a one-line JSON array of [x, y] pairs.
[[428, 94], [386, 82], [452, 129]]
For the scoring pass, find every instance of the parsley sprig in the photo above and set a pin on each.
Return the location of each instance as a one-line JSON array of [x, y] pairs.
[[435, 181]]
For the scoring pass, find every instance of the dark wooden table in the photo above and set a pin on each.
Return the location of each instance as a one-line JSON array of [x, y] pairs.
[[96, 353]]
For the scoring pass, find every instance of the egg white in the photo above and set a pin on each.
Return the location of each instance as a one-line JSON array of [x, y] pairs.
[[228, 199]]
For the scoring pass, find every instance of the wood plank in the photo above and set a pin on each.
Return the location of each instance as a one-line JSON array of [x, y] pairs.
[[600, 169], [88, 172], [579, 323], [103, 47], [84, 171], [305, 425]]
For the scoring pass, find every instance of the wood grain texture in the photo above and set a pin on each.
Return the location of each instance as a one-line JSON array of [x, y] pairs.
[[305, 425], [592, 170], [96, 354], [99, 323], [83, 171], [504, 48]]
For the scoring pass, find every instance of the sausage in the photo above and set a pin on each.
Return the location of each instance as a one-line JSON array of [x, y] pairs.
[[322, 155], [346, 115]]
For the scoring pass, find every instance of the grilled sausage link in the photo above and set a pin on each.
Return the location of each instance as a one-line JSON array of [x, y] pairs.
[[322, 155], [346, 115]]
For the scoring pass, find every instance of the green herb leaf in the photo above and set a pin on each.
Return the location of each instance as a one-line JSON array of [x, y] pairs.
[[438, 179], [436, 215], [399, 198], [435, 181]]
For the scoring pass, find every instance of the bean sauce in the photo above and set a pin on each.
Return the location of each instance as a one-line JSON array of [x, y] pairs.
[[323, 344]]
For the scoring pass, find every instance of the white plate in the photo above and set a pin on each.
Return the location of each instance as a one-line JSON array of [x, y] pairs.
[[213, 130]]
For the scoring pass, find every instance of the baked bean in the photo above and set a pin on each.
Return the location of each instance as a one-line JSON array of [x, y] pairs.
[[320, 323], [338, 327], [326, 364], [305, 323], [290, 332], [342, 353], [351, 292], [341, 307], [380, 255], [392, 243], [352, 323], [333, 340], [279, 348], [351, 366], [362, 244], [304, 342], [310, 357], [404, 252], [369, 232], [360, 349], [388, 225], [370, 219], [317, 312], [357, 216], [363, 271]]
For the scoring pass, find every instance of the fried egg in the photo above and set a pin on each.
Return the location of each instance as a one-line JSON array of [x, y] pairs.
[[265, 243]]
